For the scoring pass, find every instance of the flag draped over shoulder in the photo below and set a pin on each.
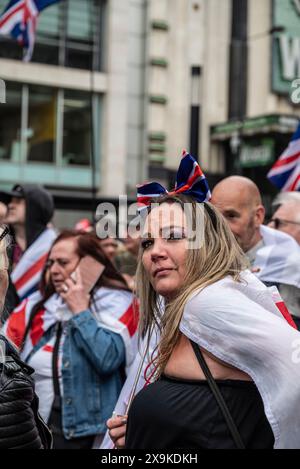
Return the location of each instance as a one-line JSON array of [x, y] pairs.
[[19, 20], [113, 310], [239, 323], [278, 260], [285, 173], [265, 299]]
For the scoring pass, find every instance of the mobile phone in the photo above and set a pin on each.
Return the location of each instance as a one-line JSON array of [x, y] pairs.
[[90, 271]]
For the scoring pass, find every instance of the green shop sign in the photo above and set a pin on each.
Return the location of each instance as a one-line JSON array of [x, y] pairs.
[[286, 46], [257, 154]]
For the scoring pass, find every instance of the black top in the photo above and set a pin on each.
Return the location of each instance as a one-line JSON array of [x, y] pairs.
[[183, 414]]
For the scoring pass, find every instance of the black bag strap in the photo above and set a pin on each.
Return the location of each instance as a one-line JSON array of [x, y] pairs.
[[219, 398], [55, 364]]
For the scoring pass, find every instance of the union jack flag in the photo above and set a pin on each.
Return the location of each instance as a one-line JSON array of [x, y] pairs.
[[285, 173], [19, 20]]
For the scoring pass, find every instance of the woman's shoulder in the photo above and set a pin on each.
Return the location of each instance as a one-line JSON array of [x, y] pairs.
[[112, 299], [213, 290], [107, 292], [228, 291]]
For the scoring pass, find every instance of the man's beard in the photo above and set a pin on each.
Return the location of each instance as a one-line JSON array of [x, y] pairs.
[[247, 244]]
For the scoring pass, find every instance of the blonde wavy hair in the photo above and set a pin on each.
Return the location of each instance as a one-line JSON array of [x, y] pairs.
[[218, 256]]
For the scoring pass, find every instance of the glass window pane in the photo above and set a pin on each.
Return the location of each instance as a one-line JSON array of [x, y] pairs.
[[49, 21], [80, 20], [10, 49], [79, 57], [41, 132], [46, 52], [77, 128], [83, 18], [10, 123], [46, 48]]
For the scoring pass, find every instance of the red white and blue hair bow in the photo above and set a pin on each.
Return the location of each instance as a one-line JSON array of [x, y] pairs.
[[190, 181]]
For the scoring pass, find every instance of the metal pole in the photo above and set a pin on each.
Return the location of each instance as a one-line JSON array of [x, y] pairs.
[[94, 102]]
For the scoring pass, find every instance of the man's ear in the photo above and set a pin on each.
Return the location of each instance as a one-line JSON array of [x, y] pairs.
[[260, 215]]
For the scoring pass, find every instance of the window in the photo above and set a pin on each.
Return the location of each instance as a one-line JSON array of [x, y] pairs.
[[10, 123], [84, 34], [48, 35], [39, 124], [69, 33], [77, 128], [41, 132]]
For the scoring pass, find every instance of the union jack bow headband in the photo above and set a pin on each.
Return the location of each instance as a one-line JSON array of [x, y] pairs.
[[190, 181]]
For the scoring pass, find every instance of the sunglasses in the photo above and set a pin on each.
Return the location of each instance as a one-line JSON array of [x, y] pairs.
[[278, 222]]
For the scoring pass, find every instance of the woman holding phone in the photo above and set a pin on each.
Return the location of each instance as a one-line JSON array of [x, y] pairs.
[[78, 335]]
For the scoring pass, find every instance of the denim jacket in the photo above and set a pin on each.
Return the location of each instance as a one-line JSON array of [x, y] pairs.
[[92, 363], [91, 369]]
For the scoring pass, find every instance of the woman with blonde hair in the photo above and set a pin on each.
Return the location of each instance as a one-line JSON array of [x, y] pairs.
[[223, 374]]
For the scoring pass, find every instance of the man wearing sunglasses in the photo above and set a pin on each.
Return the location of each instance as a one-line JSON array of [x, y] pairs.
[[287, 214]]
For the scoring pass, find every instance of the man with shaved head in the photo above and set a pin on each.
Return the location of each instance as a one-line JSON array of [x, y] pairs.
[[239, 200], [274, 256]]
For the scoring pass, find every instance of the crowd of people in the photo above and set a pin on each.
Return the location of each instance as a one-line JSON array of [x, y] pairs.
[[151, 342]]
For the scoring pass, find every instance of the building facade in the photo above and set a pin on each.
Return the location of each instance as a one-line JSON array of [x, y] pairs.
[[263, 100], [116, 89]]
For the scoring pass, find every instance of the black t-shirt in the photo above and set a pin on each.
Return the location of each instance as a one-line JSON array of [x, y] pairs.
[[182, 414]]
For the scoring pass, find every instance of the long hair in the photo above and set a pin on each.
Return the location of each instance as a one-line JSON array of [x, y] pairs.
[[218, 255], [87, 244]]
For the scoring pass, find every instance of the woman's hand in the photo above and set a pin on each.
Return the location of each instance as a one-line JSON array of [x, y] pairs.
[[74, 294], [117, 430]]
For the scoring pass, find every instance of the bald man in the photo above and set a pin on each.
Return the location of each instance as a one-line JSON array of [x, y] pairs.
[[239, 200], [274, 256]]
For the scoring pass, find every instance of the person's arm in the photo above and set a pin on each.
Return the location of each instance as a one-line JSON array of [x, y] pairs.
[[105, 349]]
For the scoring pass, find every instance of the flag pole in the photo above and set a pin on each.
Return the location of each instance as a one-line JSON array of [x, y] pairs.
[[94, 105]]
